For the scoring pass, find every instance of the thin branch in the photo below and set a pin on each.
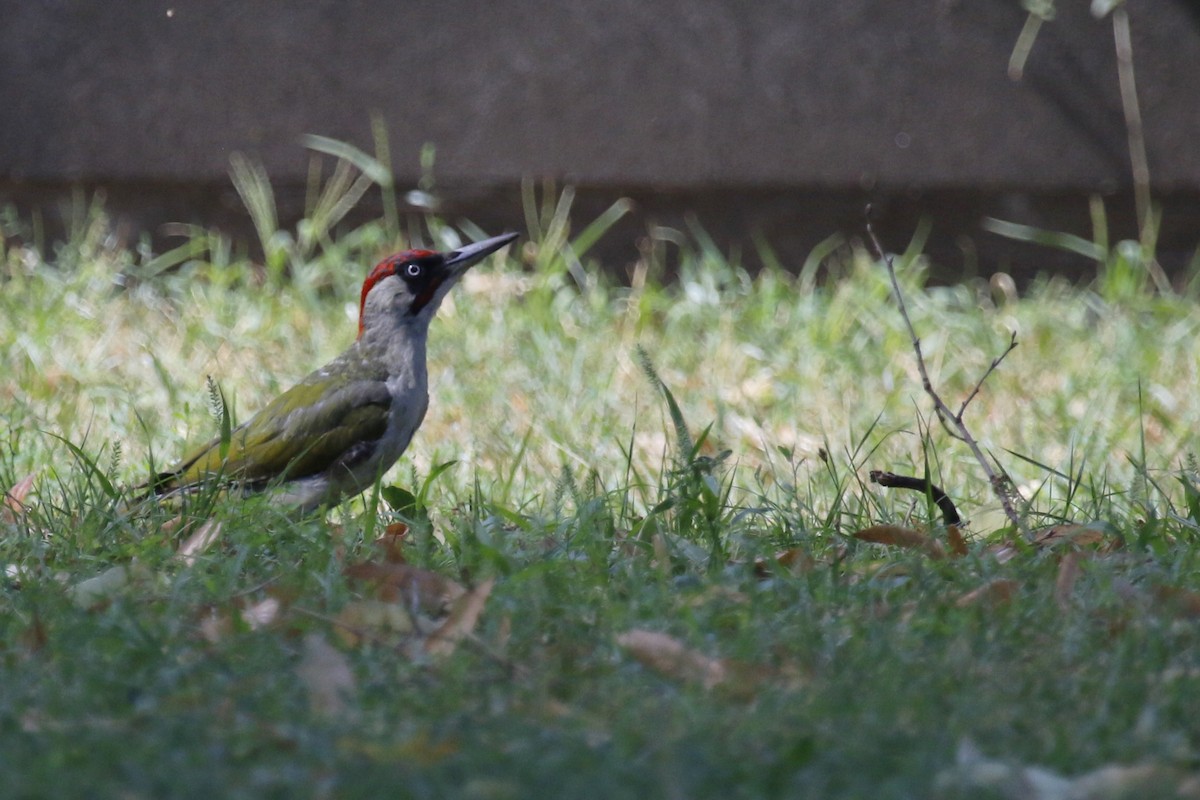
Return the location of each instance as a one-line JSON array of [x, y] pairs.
[[1012, 345], [891, 480], [944, 413]]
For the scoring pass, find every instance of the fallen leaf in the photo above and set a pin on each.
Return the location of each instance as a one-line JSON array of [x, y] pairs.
[[1004, 553], [391, 543], [373, 620], [14, 500], [218, 623], [200, 540], [1185, 602], [464, 615], [326, 675], [795, 560], [994, 592], [899, 536], [215, 626], [1074, 535], [954, 537], [1068, 574], [420, 589], [262, 613], [174, 524], [671, 658]]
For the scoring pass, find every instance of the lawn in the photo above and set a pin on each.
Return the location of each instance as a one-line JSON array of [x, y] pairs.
[[620, 557]]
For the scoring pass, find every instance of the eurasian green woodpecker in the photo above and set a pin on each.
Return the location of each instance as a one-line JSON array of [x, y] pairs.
[[334, 433]]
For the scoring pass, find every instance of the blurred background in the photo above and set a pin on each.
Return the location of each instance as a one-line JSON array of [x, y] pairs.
[[767, 125]]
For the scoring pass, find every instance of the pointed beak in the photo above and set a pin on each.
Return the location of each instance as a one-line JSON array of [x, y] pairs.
[[458, 261]]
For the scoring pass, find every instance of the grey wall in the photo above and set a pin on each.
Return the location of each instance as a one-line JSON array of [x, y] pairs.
[[715, 105]]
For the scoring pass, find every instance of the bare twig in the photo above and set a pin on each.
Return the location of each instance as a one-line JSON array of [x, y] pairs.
[[891, 480], [1012, 345], [949, 418]]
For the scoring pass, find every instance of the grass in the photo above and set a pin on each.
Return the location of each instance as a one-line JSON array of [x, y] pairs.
[[600, 506]]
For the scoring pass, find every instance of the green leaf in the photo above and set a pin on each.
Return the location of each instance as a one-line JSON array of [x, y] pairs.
[[400, 500]]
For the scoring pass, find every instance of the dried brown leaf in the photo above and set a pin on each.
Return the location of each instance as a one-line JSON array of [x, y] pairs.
[[673, 659], [1068, 574], [219, 623], [899, 536], [261, 614], [462, 620], [201, 539], [175, 524], [992, 593], [215, 626], [14, 500], [1075, 536], [391, 543], [1184, 602], [954, 537], [795, 560], [373, 620], [420, 589]]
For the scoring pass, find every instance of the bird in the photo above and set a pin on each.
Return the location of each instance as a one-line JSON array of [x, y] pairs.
[[333, 434]]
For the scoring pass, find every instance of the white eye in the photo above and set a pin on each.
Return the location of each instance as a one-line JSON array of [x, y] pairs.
[[412, 270]]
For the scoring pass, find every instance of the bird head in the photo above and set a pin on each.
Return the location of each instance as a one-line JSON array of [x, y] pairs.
[[412, 283]]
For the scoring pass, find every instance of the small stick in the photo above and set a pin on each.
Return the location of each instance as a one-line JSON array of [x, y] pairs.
[[1012, 345], [944, 413], [891, 480]]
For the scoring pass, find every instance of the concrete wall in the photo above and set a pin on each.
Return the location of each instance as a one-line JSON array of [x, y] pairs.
[[684, 104]]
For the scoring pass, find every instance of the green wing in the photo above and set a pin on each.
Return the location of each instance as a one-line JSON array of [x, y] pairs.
[[305, 431]]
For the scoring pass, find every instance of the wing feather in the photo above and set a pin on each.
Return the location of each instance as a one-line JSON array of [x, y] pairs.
[[304, 431]]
